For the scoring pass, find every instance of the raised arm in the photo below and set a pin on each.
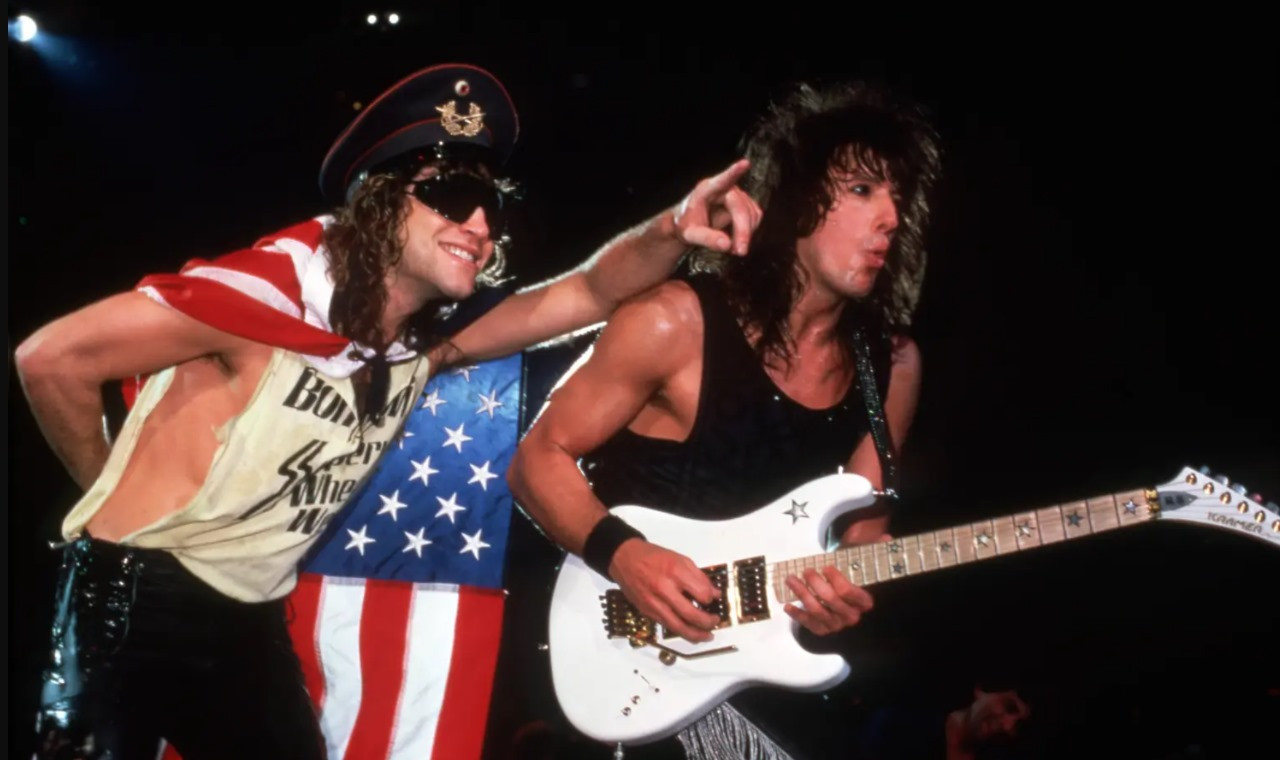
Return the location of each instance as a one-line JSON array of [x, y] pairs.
[[627, 265]]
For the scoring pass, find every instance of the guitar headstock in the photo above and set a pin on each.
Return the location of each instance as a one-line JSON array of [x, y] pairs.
[[1199, 497]]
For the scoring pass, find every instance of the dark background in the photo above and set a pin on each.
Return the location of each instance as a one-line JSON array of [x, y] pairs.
[[1098, 311]]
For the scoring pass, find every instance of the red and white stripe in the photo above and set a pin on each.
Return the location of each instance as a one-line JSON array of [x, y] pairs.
[[389, 673]]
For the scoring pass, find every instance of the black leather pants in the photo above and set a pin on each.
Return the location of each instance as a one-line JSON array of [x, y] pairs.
[[143, 650]]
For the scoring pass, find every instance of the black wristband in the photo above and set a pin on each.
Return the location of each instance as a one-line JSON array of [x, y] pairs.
[[604, 540]]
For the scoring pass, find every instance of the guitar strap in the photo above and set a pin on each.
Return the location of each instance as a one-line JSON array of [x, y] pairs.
[[875, 412]]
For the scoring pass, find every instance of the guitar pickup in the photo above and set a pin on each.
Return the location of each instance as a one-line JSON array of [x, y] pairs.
[[719, 577], [752, 576]]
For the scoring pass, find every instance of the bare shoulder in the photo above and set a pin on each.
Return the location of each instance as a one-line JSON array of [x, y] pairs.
[[669, 308], [653, 332]]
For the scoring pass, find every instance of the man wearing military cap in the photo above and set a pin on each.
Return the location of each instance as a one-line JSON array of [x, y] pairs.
[[249, 371]]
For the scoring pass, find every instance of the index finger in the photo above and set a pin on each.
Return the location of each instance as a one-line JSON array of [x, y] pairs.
[[726, 179]]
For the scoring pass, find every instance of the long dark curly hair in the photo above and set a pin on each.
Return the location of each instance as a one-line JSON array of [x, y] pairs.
[[367, 238], [797, 150]]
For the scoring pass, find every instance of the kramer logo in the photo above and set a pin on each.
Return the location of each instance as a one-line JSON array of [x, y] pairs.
[[1232, 522]]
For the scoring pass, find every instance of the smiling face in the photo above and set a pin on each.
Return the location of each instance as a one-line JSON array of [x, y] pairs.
[[847, 250], [442, 256]]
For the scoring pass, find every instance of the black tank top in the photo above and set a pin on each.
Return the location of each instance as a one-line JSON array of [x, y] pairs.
[[750, 443]]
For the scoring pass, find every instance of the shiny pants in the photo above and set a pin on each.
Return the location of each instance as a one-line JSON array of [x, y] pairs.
[[142, 650]]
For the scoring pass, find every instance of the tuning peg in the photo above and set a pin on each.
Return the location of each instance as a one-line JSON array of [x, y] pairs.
[[1239, 488], [1271, 505], [1256, 497], [1204, 470]]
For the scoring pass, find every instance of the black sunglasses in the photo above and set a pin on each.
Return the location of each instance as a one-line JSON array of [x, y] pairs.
[[457, 195]]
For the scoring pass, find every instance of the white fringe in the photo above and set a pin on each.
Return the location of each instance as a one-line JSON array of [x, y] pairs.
[[725, 734]]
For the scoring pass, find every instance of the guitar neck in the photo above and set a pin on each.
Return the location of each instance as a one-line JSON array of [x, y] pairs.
[[874, 563]]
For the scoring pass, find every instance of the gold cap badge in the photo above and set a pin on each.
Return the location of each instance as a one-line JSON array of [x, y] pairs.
[[467, 125]]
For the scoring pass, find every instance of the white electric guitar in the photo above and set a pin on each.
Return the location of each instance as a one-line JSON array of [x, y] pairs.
[[621, 678]]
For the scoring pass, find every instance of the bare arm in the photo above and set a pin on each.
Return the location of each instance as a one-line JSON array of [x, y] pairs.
[[64, 364], [627, 265], [643, 346]]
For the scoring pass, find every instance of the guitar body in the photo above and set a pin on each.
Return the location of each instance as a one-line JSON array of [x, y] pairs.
[[614, 692]]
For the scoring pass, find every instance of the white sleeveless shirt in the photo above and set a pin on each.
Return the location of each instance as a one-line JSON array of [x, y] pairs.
[[284, 465]]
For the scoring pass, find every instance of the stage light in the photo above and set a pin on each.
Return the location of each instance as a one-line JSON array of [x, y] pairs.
[[372, 18], [393, 18], [23, 28]]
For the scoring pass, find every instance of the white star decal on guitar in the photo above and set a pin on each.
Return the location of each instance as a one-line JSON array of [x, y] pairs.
[[796, 511]]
